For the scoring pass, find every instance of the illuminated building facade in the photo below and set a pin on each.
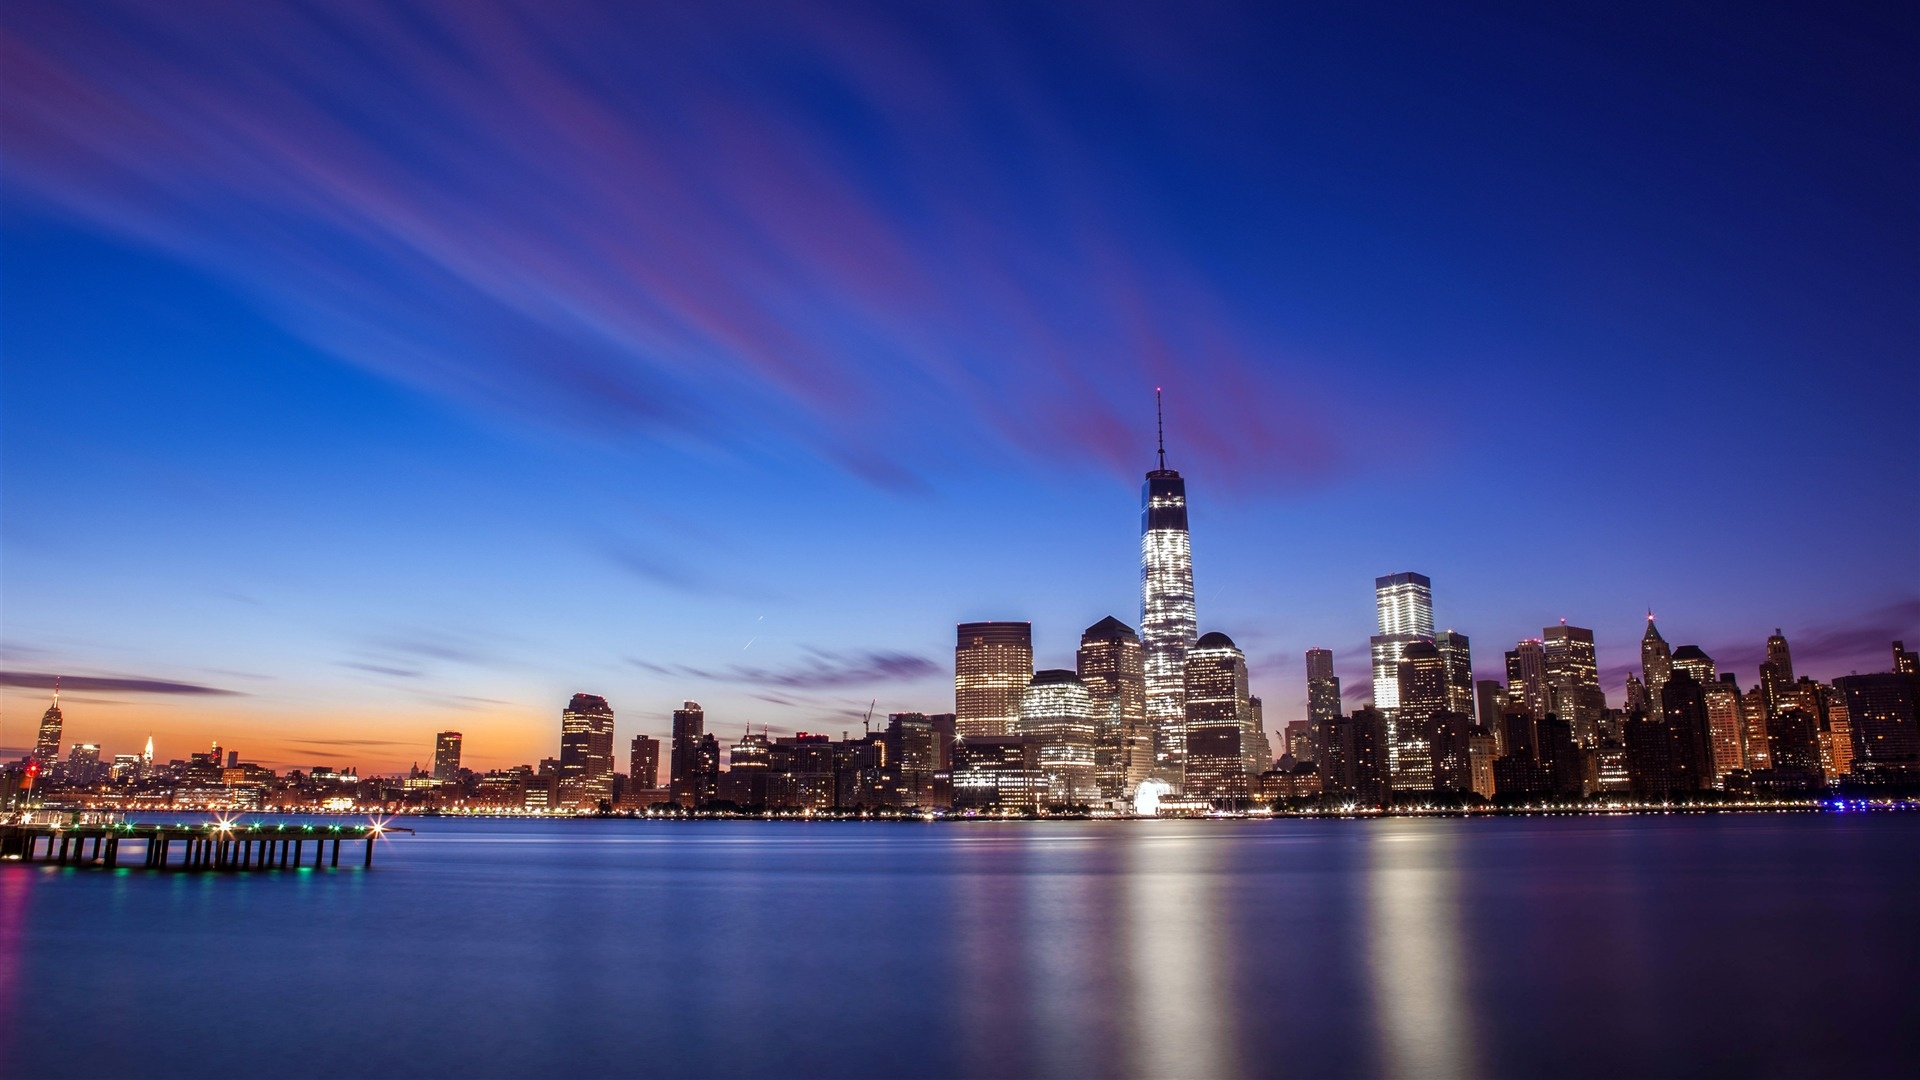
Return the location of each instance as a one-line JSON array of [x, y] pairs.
[[1456, 658], [1405, 605], [1057, 713], [1527, 677], [1725, 719], [1167, 619], [1572, 674], [1423, 694], [586, 751], [1112, 667], [446, 757], [992, 664], [46, 749], [1219, 717], [1904, 662], [998, 773], [1656, 665], [1323, 701]]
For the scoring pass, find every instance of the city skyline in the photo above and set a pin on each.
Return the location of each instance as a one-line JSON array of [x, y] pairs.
[[322, 435]]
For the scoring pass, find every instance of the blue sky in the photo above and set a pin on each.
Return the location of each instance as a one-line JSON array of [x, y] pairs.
[[413, 367]]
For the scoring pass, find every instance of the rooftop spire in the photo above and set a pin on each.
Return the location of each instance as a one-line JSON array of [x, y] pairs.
[[1160, 428]]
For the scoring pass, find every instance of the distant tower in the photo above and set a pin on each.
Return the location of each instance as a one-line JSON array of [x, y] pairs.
[[1780, 657], [146, 756], [992, 663], [1323, 699], [1776, 674], [586, 751], [1219, 715], [684, 767], [47, 749], [643, 763], [1656, 664], [1112, 667], [1904, 662], [1167, 620], [446, 756]]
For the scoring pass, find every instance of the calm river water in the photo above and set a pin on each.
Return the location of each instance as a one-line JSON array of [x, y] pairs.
[[1733, 945]]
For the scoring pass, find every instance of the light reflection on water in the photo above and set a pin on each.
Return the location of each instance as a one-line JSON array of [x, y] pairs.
[[1414, 951], [1521, 947]]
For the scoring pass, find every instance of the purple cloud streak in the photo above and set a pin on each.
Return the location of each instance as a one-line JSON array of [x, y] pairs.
[[799, 225]]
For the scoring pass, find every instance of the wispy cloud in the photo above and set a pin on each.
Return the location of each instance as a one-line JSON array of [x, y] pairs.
[[123, 684], [818, 669], [880, 234]]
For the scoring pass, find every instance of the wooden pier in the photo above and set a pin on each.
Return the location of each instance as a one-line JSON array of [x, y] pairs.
[[214, 846]]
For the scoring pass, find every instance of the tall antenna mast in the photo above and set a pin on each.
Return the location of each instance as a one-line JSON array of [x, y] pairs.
[[1160, 428]]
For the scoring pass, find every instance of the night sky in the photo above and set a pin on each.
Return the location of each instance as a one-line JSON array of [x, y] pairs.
[[376, 369]]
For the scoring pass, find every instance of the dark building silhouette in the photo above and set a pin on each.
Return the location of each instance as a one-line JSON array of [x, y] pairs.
[[1904, 662], [1356, 763], [1881, 713], [912, 758], [1450, 747], [1423, 693], [1671, 756], [684, 755], [1793, 743], [1323, 701], [643, 763]]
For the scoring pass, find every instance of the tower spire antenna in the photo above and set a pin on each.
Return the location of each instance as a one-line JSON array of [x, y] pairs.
[[1160, 428]]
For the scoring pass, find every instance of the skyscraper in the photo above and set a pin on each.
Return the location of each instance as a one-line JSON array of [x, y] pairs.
[[1219, 719], [643, 763], [1573, 680], [1057, 713], [1883, 712], [46, 749], [1656, 664], [446, 756], [1167, 619], [992, 664], [1527, 677], [1780, 657], [1355, 753], [1776, 676], [1423, 695], [1323, 699], [1904, 662], [1405, 605], [684, 759], [1112, 666], [1723, 717], [1456, 657], [586, 751]]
